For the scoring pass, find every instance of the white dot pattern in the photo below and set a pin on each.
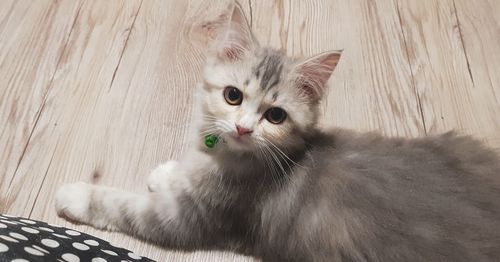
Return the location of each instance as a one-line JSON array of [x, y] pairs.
[[10, 239], [3, 248], [46, 229], [109, 252], [18, 236], [50, 243], [70, 257], [33, 251], [91, 242], [80, 246], [60, 236], [24, 239], [30, 230], [41, 249], [133, 256], [8, 222], [72, 233], [27, 221]]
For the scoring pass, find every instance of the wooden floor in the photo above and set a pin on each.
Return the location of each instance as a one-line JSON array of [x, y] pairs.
[[106, 85]]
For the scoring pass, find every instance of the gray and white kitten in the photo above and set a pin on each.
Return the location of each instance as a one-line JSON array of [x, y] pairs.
[[276, 187]]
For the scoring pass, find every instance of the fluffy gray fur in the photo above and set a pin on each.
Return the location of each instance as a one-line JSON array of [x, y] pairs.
[[292, 192]]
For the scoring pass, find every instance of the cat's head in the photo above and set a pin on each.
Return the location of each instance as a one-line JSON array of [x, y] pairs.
[[257, 98]]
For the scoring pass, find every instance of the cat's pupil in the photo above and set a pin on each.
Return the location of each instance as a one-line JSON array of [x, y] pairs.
[[276, 115], [233, 96]]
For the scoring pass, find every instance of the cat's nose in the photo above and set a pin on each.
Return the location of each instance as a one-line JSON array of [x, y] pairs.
[[243, 130]]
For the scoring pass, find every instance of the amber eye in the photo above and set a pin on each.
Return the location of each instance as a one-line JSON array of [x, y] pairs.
[[275, 115], [233, 95]]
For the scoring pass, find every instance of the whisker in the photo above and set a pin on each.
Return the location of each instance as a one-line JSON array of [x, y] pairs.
[[272, 161], [282, 158], [276, 160], [285, 174], [280, 151], [226, 125], [269, 165], [209, 129]]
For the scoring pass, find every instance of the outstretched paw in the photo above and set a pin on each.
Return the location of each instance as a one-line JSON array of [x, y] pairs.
[[158, 179], [73, 201]]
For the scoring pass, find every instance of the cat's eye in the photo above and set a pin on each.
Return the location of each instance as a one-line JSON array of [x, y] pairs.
[[233, 95], [275, 115]]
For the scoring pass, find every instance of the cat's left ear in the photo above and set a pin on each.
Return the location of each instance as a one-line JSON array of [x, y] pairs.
[[234, 38], [313, 73]]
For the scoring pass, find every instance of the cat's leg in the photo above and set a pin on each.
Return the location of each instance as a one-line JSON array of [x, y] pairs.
[[170, 217], [158, 179]]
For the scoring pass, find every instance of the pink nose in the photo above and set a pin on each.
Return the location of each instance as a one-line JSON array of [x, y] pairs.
[[242, 130]]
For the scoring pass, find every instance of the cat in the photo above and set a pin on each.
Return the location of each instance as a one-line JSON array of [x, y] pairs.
[[262, 179]]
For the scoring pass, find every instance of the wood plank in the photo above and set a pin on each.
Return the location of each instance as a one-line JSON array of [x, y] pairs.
[[480, 34], [117, 125], [372, 87], [449, 97], [119, 101], [121, 107], [32, 39], [86, 66]]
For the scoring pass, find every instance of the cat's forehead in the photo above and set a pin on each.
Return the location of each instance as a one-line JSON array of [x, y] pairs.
[[268, 68], [266, 75]]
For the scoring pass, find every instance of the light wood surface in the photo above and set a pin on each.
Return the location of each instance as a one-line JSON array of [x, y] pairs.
[[91, 85]]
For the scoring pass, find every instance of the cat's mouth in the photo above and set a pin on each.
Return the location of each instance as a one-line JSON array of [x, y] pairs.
[[239, 142], [240, 139]]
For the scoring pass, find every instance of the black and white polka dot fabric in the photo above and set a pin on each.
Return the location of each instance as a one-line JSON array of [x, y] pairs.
[[23, 240]]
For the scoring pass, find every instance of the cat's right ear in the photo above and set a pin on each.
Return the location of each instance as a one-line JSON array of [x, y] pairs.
[[233, 38], [313, 73]]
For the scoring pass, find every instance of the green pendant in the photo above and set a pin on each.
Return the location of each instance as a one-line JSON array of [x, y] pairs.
[[211, 140]]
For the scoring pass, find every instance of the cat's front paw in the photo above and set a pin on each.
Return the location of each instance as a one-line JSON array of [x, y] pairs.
[[73, 201], [158, 179]]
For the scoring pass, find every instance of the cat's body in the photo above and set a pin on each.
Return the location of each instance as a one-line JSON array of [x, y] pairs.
[[359, 197], [368, 198], [277, 187]]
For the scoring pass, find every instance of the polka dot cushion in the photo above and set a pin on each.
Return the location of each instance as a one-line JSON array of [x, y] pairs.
[[24, 240]]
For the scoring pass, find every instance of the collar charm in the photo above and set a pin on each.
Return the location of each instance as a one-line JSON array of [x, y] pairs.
[[211, 140]]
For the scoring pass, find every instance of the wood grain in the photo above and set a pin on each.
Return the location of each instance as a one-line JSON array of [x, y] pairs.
[[100, 91], [441, 70], [101, 99], [383, 99], [85, 70], [480, 35], [32, 39]]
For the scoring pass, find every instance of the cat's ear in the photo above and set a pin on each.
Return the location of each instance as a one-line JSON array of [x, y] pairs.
[[313, 73], [234, 38]]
